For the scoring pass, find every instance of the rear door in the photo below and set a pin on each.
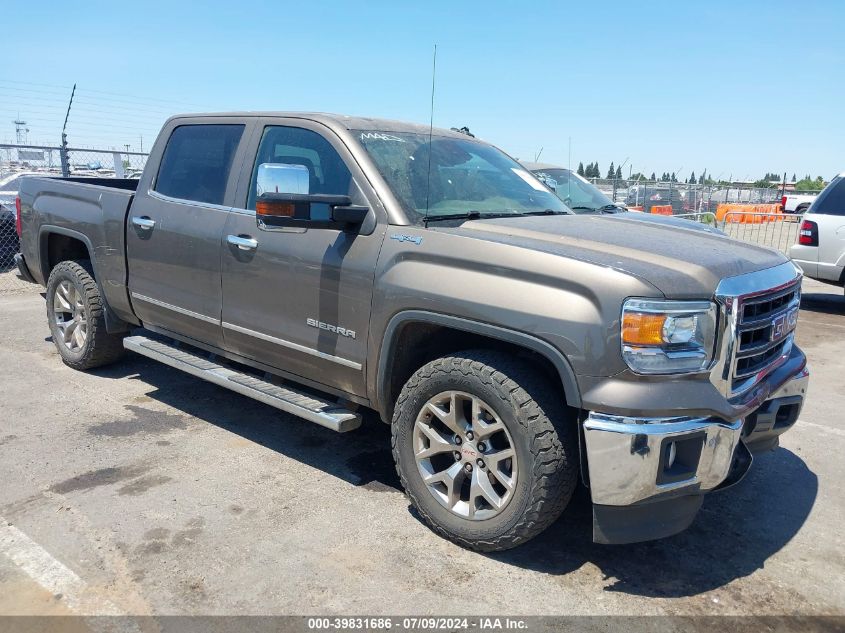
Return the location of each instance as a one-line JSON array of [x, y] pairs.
[[299, 299], [175, 227], [828, 212]]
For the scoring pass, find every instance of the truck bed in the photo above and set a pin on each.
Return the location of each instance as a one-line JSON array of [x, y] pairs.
[[92, 210], [127, 184]]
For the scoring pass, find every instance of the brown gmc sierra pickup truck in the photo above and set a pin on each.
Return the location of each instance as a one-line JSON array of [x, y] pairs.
[[328, 264]]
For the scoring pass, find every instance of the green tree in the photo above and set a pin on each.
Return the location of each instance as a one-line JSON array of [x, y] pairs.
[[580, 169], [692, 178], [619, 173], [793, 178], [808, 184], [653, 177], [611, 171]]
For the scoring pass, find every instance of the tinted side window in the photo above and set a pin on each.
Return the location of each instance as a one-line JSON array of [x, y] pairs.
[[196, 162], [327, 173], [831, 201]]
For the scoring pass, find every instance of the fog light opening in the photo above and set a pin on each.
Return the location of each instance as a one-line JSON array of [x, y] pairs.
[[671, 453], [679, 457]]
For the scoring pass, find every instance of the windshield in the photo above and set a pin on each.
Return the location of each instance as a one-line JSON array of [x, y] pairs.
[[578, 194], [467, 177]]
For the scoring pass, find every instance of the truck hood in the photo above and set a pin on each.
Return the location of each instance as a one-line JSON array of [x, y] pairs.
[[682, 259]]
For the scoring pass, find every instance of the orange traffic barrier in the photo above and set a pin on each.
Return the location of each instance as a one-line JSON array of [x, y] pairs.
[[636, 209], [745, 213], [663, 209]]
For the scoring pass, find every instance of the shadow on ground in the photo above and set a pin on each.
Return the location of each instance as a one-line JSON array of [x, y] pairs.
[[735, 533], [824, 302], [737, 530], [361, 457]]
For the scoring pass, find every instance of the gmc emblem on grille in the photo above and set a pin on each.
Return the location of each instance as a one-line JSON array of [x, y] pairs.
[[784, 324]]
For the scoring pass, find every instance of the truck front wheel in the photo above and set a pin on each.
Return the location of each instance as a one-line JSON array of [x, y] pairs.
[[76, 316], [485, 449]]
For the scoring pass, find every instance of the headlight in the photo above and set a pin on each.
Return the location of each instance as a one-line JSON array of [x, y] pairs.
[[668, 337]]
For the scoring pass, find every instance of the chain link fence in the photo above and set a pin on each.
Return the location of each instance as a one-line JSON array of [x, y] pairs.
[[685, 197], [19, 161]]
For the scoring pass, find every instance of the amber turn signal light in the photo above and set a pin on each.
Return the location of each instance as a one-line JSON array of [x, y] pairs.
[[640, 328], [273, 208]]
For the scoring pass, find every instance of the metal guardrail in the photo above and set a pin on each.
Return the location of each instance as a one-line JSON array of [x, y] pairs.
[[772, 230]]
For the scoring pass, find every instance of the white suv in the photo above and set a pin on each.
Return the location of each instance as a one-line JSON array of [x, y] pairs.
[[820, 250]]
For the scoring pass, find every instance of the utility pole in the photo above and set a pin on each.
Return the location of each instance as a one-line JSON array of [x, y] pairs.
[[63, 153]]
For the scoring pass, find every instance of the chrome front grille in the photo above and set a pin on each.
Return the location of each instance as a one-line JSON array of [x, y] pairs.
[[764, 334]]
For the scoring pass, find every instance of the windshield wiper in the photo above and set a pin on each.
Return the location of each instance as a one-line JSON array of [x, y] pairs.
[[584, 208], [543, 212], [478, 215], [469, 215]]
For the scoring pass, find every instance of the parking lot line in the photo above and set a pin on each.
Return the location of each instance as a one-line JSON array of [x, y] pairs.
[[822, 427], [51, 573]]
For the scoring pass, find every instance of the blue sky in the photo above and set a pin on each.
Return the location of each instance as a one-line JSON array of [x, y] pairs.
[[737, 88]]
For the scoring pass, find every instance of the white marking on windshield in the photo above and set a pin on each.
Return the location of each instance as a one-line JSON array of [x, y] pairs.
[[531, 180], [380, 136]]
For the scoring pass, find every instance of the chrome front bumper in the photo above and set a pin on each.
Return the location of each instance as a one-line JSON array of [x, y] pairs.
[[632, 460]]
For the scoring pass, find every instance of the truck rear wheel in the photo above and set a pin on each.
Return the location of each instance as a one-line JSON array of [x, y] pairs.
[[76, 315], [485, 449]]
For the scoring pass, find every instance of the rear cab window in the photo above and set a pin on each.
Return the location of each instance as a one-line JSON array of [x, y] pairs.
[[196, 163], [831, 201]]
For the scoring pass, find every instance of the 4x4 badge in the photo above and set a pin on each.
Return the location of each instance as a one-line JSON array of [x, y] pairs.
[[415, 239]]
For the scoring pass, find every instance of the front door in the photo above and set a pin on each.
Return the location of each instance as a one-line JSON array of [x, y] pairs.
[[299, 299], [175, 228]]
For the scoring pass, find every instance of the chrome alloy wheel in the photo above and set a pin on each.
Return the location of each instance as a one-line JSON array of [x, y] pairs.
[[71, 321], [465, 455]]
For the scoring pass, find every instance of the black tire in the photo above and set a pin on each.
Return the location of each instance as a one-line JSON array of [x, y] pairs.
[[543, 433], [100, 347]]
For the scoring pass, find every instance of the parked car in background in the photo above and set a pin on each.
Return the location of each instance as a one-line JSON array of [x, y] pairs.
[[576, 192], [9, 241], [797, 202], [820, 250], [651, 194]]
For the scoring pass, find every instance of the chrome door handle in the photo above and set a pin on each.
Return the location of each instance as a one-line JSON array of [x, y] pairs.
[[243, 243], [143, 222]]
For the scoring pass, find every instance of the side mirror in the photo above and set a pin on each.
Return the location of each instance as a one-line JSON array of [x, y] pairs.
[[284, 200], [297, 210]]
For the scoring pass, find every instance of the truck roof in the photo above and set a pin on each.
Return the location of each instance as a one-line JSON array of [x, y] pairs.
[[334, 121]]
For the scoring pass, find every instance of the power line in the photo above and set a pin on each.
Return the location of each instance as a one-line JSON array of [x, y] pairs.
[[104, 92]]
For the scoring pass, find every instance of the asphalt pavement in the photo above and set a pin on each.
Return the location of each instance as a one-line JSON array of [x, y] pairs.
[[136, 489]]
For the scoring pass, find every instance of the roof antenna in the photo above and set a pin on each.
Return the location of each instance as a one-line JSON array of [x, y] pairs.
[[430, 133]]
